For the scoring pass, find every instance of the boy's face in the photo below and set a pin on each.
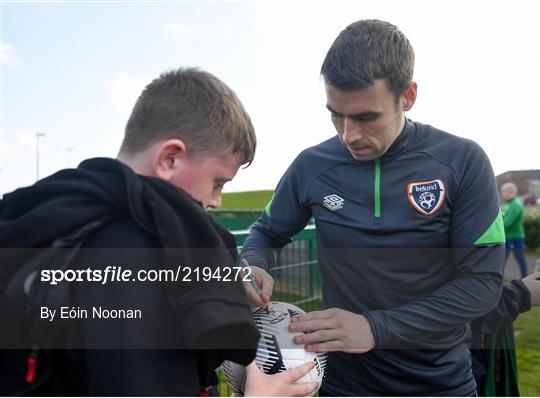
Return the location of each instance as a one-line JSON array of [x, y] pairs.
[[204, 178]]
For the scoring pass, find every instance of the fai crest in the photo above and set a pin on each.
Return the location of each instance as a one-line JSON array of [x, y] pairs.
[[426, 196]]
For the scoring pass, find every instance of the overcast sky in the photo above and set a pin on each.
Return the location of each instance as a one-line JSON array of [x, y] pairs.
[[72, 70]]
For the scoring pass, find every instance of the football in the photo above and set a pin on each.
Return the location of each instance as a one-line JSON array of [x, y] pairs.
[[276, 351]]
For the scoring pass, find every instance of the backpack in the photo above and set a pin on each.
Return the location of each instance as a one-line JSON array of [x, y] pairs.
[[24, 366]]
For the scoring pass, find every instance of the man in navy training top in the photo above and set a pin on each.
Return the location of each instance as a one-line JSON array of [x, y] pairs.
[[410, 240]]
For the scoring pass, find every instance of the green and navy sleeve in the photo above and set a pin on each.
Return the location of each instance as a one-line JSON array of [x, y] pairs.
[[515, 299], [477, 247], [284, 216]]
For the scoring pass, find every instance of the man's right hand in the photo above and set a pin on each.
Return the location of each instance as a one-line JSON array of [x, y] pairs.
[[265, 281], [533, 284], [281, 384]]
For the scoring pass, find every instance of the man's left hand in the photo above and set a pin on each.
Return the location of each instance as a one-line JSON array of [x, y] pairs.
[[533, 284], [333, 330]]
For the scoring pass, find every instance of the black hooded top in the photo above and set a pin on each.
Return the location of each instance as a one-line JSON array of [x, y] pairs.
[[187, 328]]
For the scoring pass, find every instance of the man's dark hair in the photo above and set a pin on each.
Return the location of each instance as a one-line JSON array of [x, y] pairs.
[[367, 50], [196, 107]]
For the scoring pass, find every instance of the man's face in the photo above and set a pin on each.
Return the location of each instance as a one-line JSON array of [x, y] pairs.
[[507, 193], [367, 120], [204, 178]]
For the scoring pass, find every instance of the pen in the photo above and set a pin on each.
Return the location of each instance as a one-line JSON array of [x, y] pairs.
[[254, 283]]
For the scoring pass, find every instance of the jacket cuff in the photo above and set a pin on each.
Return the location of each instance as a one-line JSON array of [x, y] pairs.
[[524, 295], [380, 329], [254, 258]]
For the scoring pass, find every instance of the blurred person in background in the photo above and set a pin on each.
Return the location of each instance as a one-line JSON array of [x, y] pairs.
[[512, 209]]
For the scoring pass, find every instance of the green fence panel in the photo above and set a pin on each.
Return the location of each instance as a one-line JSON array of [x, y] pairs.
[[235, 223], [235, 220]]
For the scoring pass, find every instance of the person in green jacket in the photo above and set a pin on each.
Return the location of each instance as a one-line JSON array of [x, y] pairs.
[[513, 225]]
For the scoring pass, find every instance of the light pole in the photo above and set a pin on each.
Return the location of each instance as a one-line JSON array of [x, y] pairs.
[[38, 136]]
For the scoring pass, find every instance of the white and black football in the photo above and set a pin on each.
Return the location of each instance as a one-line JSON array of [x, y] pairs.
[[276, 351]]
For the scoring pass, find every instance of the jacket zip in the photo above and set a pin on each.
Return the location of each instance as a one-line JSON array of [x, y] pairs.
[[377, 219]]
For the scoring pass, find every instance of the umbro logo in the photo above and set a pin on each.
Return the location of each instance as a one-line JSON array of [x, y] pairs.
[[333, 202]]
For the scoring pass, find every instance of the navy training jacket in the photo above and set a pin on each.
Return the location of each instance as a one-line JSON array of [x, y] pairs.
[[412, 240]]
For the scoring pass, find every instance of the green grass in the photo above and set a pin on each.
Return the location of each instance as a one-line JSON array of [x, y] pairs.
[[246, 200], [527, 327]]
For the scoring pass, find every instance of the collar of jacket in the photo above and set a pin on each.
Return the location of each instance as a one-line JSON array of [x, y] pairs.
[[402, 141]]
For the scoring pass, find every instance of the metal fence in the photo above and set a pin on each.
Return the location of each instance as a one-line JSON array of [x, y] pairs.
[[236, 220], [296, 276]]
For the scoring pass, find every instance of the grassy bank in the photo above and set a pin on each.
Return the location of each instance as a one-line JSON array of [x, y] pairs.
[[246, 200], [527, 328]]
